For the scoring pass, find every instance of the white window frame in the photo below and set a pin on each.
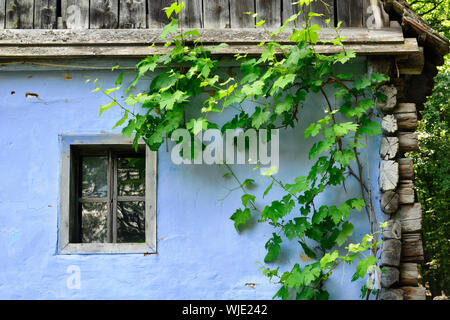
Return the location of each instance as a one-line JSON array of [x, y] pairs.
[[66, 199]]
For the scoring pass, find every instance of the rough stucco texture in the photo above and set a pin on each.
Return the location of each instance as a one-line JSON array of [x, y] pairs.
[[201, 256]]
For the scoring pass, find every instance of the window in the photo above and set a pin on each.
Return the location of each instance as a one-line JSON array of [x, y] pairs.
[[107, 196]]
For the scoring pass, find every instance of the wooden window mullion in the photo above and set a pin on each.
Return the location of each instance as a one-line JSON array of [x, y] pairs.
[[114, 198], [110, 192]]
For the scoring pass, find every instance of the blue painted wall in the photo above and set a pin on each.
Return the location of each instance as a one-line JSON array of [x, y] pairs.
[[201, 256]]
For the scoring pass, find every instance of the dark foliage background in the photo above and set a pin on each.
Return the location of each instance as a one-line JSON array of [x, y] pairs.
[[432, 162]]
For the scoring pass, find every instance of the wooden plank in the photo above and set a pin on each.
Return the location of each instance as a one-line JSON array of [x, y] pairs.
[[75, 14], [325, 7], [270, 11], [253, 36], [45, 14], [133, 50], [104, 14], [350, 13], [132, 14], [107, 248], [191, 15], [2, 14], [157, 18], [216, 14], [114, 199], [111, 189], [151, 181], [19, 14], [238, 18], [290, 8]]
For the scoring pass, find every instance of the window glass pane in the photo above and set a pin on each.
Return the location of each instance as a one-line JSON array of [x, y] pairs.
[[94, 173], [131, 176], [94, 222], [130, 222]]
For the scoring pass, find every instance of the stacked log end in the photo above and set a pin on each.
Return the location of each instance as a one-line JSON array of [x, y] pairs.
[[402, 237]]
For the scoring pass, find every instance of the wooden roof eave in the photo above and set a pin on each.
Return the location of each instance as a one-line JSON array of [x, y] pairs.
[[16, 43], [431, 38]]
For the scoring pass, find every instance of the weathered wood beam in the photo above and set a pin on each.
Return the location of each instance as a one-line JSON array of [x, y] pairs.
[[2, 14], [393, 230], [389, 277], [191, 15], [412, 249], [431, 37], [104, 14], [324, 7], [216, 14], [388, 105], [408, 141], [19, 14], [410, 218], [231, 36], [350, 13], [237, 16], [406, 192], [157, 18], [414, 64], [44, 14], [290, 8], [409, 274], [406, 115], [391, 253], [120, 50], [406, 168], [269, 11], [389, 202], [414, 293], [391, 294]]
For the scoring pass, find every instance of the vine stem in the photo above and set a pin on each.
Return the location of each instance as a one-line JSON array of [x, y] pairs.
[[252, 203]]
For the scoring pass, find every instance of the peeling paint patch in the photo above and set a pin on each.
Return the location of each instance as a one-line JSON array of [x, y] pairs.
[[31, 95]]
